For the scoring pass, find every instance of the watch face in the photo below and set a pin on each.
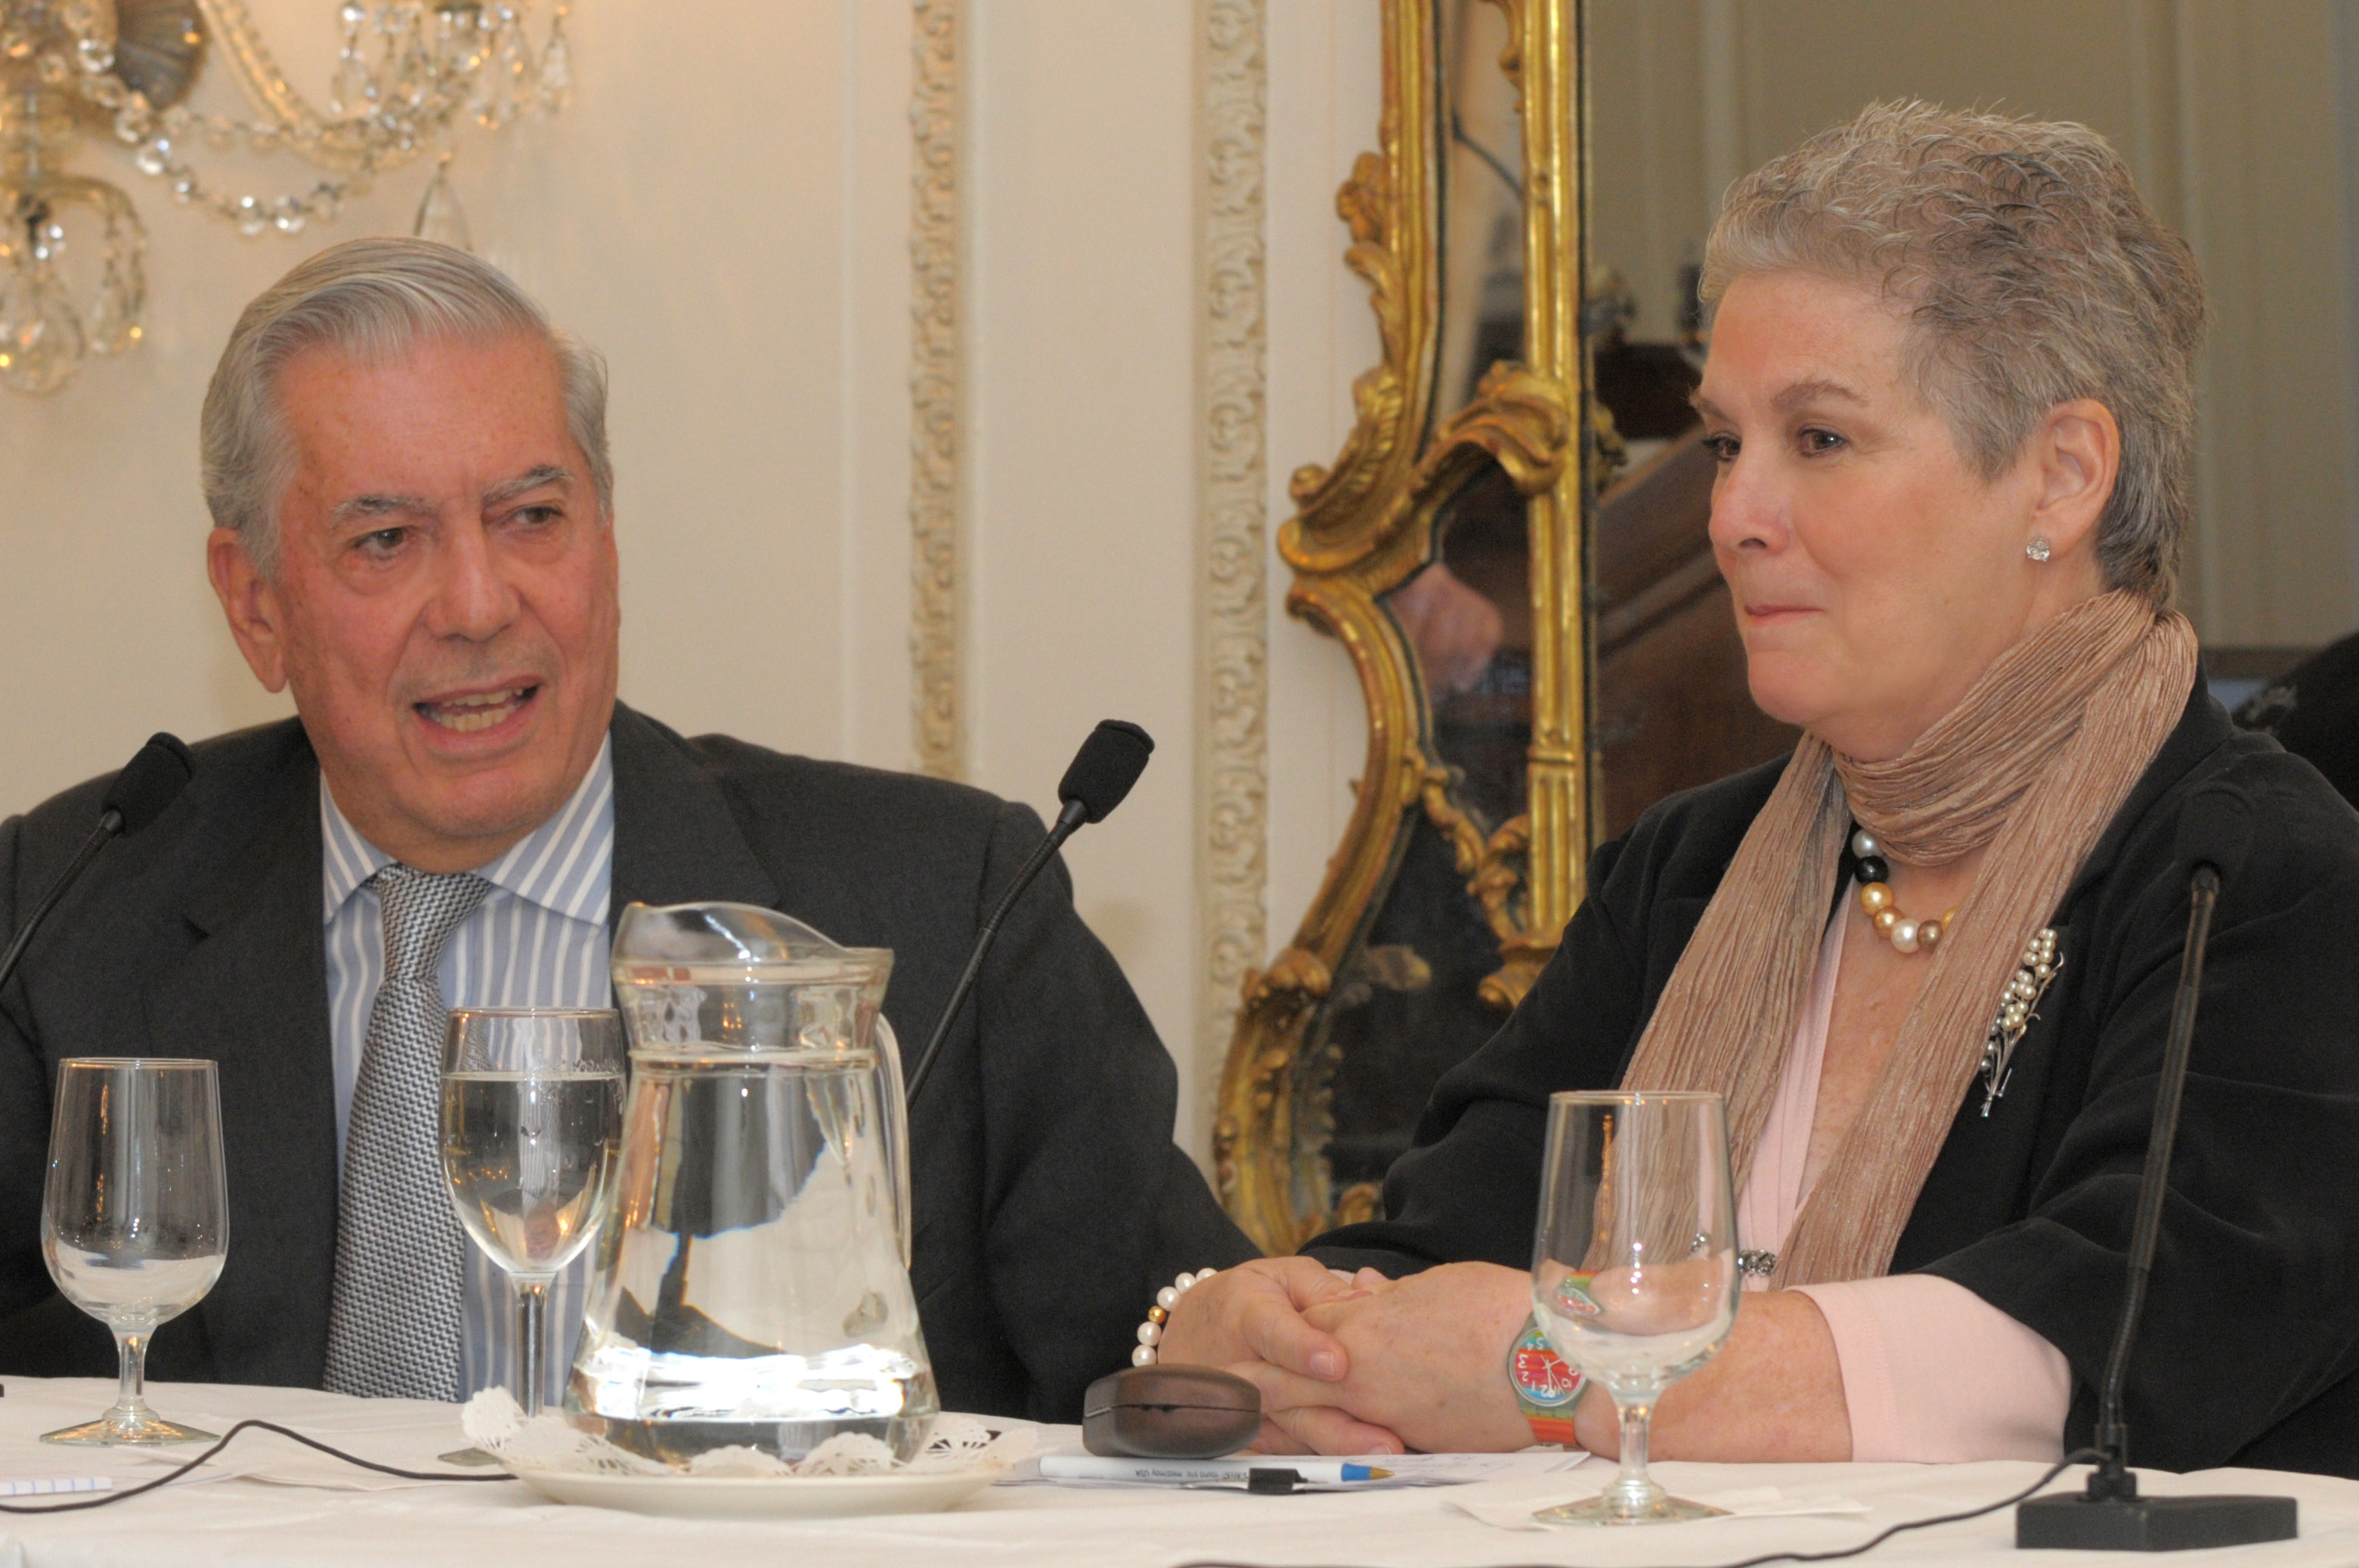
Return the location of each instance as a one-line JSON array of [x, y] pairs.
[[1540, 1376]]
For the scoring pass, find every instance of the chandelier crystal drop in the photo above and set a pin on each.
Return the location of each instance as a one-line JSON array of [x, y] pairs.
[[407, 74]]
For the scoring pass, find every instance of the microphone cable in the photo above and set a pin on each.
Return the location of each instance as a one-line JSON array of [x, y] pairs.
[[2080, 1457], [223, 1442], [2077, 1456]]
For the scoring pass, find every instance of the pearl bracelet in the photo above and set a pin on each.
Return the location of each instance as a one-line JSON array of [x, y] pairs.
[[1150, 1332]]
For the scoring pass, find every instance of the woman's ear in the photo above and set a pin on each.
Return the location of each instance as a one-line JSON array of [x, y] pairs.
[[2077, 449]]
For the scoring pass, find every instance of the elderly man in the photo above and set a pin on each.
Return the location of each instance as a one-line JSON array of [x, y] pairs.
[[408, 470]]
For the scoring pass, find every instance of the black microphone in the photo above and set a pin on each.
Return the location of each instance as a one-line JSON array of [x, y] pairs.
[[2215, 835], [147, 783], [1101, 772]]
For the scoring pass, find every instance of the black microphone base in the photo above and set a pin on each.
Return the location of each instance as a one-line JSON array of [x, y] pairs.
[[2073, 1521]]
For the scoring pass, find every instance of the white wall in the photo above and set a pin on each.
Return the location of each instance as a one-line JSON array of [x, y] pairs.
[[1080, 438], [1326, 70], [1081, 518]]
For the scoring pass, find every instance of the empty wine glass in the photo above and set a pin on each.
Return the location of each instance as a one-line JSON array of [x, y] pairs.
[[1633, 1266], [532, 1116], [135, 1223]]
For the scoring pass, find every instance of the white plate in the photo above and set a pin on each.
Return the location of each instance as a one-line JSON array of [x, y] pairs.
[[747, 1496]]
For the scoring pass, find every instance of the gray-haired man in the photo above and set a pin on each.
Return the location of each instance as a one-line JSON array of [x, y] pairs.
[[408, 471]]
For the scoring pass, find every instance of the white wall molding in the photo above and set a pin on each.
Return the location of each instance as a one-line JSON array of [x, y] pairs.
[[936, 688], [1232, 632]]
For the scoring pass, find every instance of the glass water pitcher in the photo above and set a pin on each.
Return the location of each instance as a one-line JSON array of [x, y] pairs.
[[751, 1285]]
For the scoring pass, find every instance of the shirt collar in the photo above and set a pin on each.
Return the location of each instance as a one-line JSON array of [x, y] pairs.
[[565, 865]]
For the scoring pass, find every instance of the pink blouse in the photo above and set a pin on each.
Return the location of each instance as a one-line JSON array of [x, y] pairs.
[[1931, 1372]]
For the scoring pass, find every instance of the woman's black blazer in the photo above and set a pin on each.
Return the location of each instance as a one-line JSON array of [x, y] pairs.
[[2250, 1349]]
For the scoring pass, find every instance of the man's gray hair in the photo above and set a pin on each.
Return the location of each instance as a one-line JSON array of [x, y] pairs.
[[2031, 273], [373, 299]]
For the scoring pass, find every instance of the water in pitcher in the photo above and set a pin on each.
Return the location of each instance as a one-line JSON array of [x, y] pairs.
[[751, 1287]]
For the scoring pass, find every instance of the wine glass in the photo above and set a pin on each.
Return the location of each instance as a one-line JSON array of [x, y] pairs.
[[1633, 1266], [135, 1223], [532, 1116]]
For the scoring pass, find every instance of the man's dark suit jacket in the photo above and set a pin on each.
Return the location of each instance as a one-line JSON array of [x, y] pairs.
[[2250, 1349], [1049, 1200], [2313, 712]]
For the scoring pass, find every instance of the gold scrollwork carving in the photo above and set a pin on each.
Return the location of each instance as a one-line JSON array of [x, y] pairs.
[[1364, 526]]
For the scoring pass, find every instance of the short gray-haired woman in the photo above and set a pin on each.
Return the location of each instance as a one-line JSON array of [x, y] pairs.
[[1950, 392]]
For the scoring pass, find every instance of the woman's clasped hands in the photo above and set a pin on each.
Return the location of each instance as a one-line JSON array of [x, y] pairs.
[[1361, 1363]]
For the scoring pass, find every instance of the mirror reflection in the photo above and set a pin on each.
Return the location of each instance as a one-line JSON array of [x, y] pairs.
[[1482, 201], [1407, 1005], [1468, 617]]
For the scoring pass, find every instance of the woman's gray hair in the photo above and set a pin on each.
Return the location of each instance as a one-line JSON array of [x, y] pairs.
[[2031, 273], [374, 299]]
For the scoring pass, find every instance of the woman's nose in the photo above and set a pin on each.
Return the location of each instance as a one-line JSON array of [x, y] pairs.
[[1748, 509]]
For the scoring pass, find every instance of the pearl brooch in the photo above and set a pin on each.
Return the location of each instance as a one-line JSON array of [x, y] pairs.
[[2017, 1004], [1876, 902]]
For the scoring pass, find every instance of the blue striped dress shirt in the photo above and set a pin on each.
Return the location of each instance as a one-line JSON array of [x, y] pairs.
[[538, 939]]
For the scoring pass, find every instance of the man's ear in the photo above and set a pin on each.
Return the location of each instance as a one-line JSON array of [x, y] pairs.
[[2078, 446], [256, 614]]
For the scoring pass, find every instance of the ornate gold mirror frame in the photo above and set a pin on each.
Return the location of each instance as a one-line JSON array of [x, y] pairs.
[[1365, 526]]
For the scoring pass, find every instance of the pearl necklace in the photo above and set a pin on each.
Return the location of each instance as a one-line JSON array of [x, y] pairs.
[[1875, 899]]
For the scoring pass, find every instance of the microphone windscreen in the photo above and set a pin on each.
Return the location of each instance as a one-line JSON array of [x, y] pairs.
[[1108, 763], [150, 782], [2216, 828]]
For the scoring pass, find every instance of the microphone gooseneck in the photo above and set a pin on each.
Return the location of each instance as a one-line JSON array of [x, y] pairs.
[[1101, 775], [2113, 1433], [2215, 835], [151, 780]]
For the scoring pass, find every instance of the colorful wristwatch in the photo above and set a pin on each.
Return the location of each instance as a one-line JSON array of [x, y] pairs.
[[1546, 1386]]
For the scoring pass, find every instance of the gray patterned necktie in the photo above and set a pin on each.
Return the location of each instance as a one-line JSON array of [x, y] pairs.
[[394, 1319]]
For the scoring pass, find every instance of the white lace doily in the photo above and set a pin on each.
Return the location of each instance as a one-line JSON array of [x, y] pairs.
[[496, 1424]]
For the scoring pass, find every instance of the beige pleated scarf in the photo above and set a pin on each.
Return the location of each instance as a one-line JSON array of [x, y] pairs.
[[2034, 761]]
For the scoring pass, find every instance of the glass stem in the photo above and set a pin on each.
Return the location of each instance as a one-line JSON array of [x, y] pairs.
[[131, 1392], [1633, 1491], [531, 1340]]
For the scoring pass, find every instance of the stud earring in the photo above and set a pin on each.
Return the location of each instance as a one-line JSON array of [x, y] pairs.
[[2037, 549]]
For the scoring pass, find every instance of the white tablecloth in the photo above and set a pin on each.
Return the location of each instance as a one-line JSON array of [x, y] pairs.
[[309, 1515]]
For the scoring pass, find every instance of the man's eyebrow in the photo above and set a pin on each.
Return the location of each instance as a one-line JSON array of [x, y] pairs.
[[363, 507], [525, 483]]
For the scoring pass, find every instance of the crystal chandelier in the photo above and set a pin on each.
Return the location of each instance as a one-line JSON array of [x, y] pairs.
[[408, 71]]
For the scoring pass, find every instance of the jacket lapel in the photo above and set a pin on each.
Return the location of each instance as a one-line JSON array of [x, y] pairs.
[[253, 996], [675, 840]]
